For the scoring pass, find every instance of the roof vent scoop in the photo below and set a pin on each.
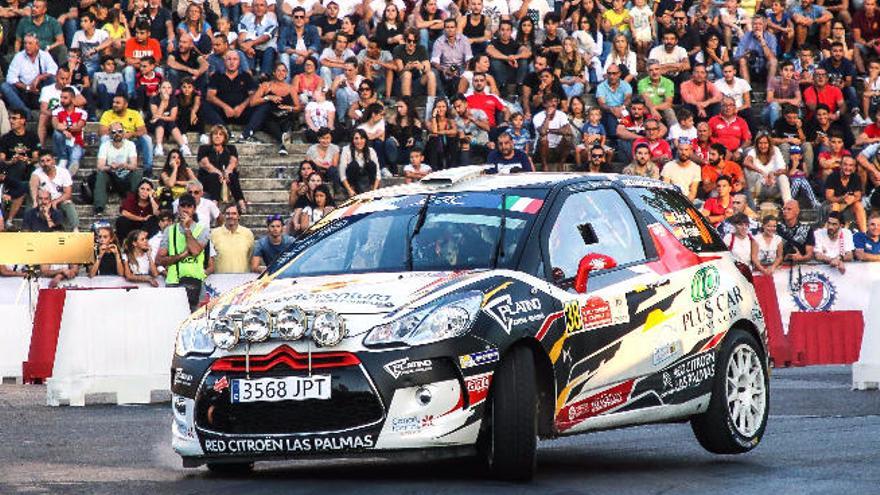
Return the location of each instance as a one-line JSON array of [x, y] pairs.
[[455, 175]]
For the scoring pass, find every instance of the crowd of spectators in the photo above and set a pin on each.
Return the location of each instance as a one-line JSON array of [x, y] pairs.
[[659, 88]]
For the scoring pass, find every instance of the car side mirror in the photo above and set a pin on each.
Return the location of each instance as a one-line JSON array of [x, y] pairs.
[[590, 262]]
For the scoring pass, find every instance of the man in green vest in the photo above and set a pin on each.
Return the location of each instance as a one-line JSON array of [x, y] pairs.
[[182, 251]]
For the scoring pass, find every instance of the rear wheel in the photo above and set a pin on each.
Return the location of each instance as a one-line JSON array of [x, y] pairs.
[[509, 442], [737, 414], [231, 468]]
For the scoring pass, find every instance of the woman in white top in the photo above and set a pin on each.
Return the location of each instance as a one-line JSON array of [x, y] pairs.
[[765, 170], [624, 57], [768, 255], [139, 265], [740, 242]]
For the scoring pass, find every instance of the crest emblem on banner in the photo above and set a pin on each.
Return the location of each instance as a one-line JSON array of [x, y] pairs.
[[815, 293]]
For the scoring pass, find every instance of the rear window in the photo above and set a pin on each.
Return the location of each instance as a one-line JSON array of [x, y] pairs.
[[678, 214]]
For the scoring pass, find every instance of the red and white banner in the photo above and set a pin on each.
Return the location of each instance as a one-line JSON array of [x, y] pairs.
[[815, 287]]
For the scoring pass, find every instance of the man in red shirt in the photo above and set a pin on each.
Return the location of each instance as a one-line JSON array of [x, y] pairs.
[[488, 103], [822, 92], [716, 166], [136, 48], [68, 121], [661, 152], [147, 83], [866, 33], [730, 129], [702, 143], [719, 208], [831, 159]]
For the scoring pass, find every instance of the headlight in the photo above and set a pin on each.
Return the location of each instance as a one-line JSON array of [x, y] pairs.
[[225, 333], [449, 317], [194, 337], [290, 323], [328, 328], [255, 325]]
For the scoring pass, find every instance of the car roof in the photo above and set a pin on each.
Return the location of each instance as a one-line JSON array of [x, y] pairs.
[[473, 178]]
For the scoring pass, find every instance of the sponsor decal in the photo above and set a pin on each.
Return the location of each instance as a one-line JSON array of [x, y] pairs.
[[221, 385], [287, 445], [404, 366], [667, 352], [757, 314], [411, 424], [596, 312], [705, 283], [481, 358], [383, 300], [718, 310], [507, 312], [689, 374], [478, 387], [594, 405], [816, 292], [182, 378]]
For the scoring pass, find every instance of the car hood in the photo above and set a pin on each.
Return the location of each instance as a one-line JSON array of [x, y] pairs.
[[357, 294]]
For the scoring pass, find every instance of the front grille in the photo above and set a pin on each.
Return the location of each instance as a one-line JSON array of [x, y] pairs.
[[352, 403]]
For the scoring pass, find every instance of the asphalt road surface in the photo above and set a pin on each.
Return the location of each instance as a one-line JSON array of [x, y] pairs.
[[822, 438]]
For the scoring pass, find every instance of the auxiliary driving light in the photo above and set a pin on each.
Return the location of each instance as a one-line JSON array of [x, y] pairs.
[[255, 325], [328, 328], [291, 323], [224, 333]]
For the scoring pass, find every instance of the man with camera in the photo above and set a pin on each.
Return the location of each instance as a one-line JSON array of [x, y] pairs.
[[450, 55], [182, 251]]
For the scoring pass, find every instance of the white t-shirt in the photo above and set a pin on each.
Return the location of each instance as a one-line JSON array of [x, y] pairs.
[[833, 248], [346, 7], [119, 155], [767, 249], [141, 264], [537, 9], [54, 186], [660, 54], [424, 168], [86, 45], [51, 96], [676, 132], [560, 120], [319, 113], [306, 4], [682, 177], [378, 8], [739, 88], [741, 249], [776, 162]]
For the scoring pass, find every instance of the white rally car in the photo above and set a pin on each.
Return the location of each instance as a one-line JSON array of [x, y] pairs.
[[469, 315]]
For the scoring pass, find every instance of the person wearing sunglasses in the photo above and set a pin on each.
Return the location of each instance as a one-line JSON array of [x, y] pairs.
[[299, 43], [414, 70], [269, 247]]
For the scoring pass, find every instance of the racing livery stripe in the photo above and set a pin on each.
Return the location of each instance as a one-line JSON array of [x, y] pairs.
[[594, 405], [546, 326]]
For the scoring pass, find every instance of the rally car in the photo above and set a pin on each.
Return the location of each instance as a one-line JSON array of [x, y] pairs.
[[470, 314]]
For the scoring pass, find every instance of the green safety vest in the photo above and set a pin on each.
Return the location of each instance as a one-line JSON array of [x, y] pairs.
[[193, 267]]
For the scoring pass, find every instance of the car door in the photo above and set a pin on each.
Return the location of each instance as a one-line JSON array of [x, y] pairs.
[[598, 343]]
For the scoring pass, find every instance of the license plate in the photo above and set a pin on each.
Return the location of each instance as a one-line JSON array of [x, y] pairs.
[[278, 389]]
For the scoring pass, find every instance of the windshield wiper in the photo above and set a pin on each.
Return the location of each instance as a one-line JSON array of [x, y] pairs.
[[420, 221], [499, 247]]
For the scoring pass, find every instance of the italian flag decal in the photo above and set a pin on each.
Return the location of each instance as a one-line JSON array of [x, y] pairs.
[[523, 204]]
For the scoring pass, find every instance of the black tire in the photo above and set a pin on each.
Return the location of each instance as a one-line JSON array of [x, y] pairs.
[[231, 469], [509, 441], [717, 430]]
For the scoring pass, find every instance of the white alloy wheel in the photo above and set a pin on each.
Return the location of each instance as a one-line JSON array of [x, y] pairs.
[[746, 393]]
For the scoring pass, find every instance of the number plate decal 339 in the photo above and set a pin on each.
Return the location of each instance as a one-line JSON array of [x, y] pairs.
[[279, 389]]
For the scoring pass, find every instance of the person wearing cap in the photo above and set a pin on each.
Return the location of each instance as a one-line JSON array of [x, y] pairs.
[[268, 248], [13, 191], [234, 242], [682, 172], [182, 251]]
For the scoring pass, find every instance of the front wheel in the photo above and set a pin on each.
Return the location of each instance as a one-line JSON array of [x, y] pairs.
[[737, 414], [509, 441]]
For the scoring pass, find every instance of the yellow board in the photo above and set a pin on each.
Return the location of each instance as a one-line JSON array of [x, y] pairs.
[[35, 248]]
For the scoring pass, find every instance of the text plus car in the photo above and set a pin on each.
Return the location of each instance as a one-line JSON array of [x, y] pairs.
[[470, 314]]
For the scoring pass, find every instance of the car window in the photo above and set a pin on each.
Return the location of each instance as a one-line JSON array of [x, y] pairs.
[[679, 215], [603, 212]]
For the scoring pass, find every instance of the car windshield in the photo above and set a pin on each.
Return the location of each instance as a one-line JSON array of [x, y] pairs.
[[443, 231]]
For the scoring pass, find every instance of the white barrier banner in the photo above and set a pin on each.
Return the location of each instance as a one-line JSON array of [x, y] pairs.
[[815, 287]]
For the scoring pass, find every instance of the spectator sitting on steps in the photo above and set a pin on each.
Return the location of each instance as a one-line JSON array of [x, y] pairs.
[[58, 183], [834, 244], [867, 243], [44, 217], [117, 167]]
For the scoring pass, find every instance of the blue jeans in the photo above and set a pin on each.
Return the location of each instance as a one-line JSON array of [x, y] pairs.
[[576, 89], [772, 112], [263, 61], [16, 100], [69, 28], [505, 74], [344, 99], [232, 13], [73, 154], [144, 145]]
